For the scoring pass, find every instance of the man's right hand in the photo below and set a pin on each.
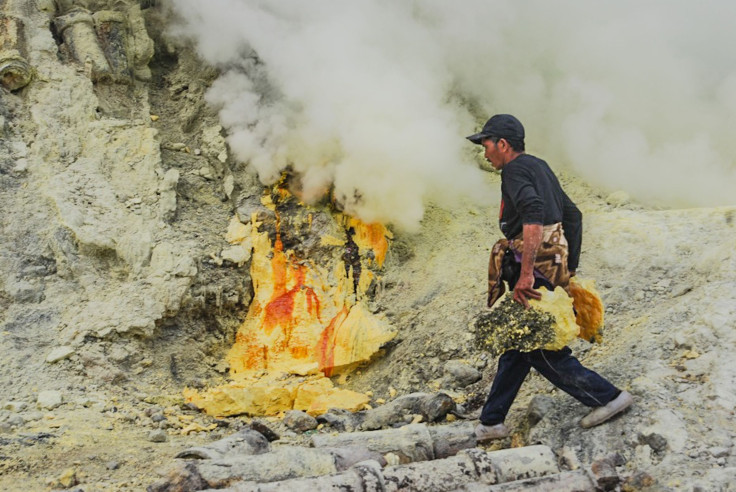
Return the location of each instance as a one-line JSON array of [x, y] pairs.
[[524, 289]]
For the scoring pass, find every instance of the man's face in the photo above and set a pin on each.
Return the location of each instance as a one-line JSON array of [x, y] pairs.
[[493, 154]]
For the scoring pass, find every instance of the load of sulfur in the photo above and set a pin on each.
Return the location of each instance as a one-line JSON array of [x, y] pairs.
[[548, 324]]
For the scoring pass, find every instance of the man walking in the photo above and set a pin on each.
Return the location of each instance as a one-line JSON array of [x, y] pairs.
[[536, 212]]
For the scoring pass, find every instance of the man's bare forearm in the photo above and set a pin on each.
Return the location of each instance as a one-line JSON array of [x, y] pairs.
[[532, 235]]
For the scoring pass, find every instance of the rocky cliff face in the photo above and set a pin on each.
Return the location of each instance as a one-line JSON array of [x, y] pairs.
[[119, 284]]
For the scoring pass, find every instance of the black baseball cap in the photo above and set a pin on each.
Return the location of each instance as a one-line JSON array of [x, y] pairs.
[[501, 126]]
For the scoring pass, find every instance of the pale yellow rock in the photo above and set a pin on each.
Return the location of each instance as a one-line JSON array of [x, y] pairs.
[[691, 354], [237, 398], [311, 391], [195, 427], [238, 254], [237, 231], [68, 478], [338, 398]]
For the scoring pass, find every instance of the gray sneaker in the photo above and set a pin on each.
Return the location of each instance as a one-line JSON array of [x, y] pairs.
[[487, 432], [613, 407]]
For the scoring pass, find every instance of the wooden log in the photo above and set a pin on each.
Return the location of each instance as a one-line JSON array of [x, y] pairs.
[[111, 31], [77, 30], [410, 443], [280, 464], [448, 440], [15, 72], [572, 481], [244, 442], [472, 469], [364, 477]]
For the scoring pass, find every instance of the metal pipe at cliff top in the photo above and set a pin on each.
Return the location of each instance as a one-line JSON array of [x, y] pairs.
[[77, 29], [15, 72]]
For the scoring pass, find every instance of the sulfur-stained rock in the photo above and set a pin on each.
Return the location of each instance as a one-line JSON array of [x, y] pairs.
[[140, 45], [167, 195], [15, 406], [436, 407], [271, 395], [252, 398], [304, 319], [298, 323], [336, 398]]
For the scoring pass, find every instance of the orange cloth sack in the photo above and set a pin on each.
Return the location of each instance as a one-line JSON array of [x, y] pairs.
[[588, 307]]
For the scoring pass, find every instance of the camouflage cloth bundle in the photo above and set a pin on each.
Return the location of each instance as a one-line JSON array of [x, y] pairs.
[[550, 264]]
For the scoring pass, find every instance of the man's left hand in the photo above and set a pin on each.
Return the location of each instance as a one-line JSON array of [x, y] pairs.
[[524, 289]]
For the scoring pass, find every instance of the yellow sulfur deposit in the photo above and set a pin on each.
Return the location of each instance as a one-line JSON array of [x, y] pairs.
[[305, 323], [269, 395], [589, 308]]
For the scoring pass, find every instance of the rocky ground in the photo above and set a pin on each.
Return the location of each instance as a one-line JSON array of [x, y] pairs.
[[114, 294]]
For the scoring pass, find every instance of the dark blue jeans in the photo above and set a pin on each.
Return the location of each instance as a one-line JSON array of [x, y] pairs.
[[560, 367]]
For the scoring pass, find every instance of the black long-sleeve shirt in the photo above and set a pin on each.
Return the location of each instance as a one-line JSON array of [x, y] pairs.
[[531, 194]]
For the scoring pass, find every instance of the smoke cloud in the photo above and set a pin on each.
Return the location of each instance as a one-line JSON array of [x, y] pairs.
[[374, 97]]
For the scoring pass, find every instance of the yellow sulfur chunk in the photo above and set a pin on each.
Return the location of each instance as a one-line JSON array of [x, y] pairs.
[[558, 304]]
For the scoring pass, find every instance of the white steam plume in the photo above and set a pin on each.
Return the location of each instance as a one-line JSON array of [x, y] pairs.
[[375, 97]]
